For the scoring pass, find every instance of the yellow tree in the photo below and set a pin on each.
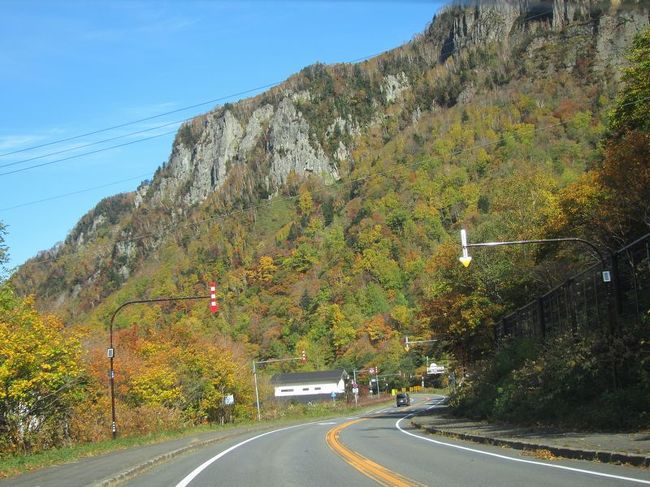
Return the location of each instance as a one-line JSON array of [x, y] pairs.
[[40, 375]]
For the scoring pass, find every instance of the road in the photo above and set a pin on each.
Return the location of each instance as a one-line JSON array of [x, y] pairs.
[[379, 448]]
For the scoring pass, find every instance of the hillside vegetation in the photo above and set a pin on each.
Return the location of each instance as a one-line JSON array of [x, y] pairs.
[[508, 136]]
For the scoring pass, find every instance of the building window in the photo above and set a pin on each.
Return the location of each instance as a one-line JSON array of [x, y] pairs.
[[305, 388], [317, 388], [286, 390]]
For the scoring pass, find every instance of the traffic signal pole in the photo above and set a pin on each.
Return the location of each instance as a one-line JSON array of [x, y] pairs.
[[111, 348]]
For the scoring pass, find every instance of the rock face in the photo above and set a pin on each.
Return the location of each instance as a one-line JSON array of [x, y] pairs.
[[200, 162], [291, 149], [195, 170], [476, 22]]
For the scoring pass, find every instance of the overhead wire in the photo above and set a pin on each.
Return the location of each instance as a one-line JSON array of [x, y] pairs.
[[126, 124], [76, 156], [86, 190], [90, 144], [70, 149]]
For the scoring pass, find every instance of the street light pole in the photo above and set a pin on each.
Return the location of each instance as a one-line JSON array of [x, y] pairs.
[[111, 348], [612, 306], [465, 245]]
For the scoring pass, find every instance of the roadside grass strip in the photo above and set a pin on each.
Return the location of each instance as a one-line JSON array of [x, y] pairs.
[[376, 472]]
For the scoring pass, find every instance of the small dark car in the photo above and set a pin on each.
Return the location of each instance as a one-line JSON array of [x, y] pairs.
[[403, 399]]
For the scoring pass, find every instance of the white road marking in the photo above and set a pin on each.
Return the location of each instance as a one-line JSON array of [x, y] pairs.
[[327, 423], [192, 475], [512, 459]]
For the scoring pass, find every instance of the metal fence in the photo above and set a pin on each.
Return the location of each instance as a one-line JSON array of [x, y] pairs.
[[585, 303]]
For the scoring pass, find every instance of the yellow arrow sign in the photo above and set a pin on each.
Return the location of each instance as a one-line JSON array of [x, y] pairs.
[[466, 261]]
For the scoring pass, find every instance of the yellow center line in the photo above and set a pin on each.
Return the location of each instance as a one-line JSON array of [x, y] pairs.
[[378, 473]]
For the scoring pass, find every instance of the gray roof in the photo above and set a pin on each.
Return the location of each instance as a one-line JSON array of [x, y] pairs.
[[310, 377]]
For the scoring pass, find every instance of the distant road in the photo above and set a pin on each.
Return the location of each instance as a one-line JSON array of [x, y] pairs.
[[379, 449]]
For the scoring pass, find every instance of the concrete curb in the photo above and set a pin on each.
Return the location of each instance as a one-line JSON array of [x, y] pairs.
[[565, 452], [136, 470]]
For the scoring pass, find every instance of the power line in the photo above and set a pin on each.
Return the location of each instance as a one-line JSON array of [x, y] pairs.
[[71, 149], [189, 107], [42, 156], [126, 124], [87, 153], [30, 203]]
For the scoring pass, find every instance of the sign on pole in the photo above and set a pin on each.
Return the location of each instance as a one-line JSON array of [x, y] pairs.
[[214, 307]]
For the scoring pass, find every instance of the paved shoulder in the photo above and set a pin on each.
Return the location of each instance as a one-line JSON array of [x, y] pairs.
[[630, 448]]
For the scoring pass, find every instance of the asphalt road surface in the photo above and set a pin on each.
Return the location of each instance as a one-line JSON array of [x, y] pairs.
[[376, 449]]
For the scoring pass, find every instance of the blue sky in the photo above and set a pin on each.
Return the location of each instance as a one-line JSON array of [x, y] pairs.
[[69, 68]]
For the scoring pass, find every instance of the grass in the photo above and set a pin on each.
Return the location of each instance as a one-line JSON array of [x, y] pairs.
[[11, 465]]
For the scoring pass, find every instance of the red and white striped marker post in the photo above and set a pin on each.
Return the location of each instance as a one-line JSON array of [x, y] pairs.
[[214, 307]]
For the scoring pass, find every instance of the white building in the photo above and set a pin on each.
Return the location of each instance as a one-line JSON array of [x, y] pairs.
[[310, 386]]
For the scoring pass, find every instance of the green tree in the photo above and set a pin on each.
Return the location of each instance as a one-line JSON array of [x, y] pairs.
[[633, 104]]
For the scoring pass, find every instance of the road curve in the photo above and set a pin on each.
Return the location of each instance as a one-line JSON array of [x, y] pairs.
[[379, 449]]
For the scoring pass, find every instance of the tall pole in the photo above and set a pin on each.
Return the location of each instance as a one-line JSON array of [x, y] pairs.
[[257, 394], [111, 375], [111, 349]]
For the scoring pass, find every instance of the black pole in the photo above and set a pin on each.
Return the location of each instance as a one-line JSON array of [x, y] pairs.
[[111, 349]]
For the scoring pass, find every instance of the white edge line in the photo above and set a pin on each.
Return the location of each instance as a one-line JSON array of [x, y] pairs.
[[521, 460], [192, 475]]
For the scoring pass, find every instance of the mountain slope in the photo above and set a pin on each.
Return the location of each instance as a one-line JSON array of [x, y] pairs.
[[327, 208]]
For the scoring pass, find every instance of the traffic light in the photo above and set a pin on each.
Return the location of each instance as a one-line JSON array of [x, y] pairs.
[[303, 357], [214, 306]]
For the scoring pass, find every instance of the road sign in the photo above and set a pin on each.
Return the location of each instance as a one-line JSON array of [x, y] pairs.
[[229, 400], [371, 370], [355, 390], [214, 306]]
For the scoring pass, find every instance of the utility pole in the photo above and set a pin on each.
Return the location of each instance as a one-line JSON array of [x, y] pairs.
[[302, 358]]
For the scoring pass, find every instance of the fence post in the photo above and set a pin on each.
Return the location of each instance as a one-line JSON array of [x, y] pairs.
[[614, 298]]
